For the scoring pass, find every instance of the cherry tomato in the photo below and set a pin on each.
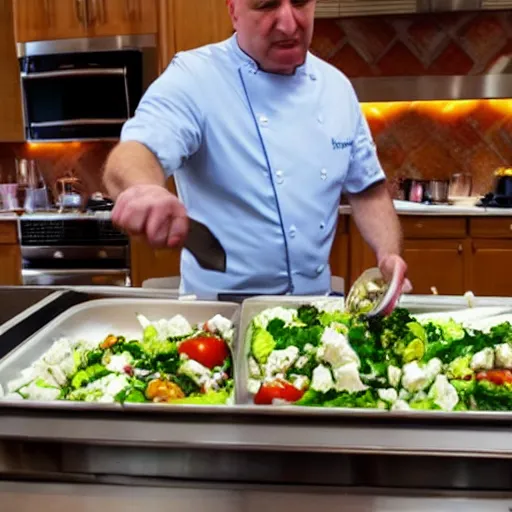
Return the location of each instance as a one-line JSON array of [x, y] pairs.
[[498, 377], [278, 389], [209, 351]]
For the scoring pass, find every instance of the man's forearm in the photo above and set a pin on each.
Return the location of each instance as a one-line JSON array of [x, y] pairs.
[[376, 218], [131, 163]]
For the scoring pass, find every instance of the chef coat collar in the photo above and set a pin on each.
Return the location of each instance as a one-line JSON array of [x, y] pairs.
[[249, 62]]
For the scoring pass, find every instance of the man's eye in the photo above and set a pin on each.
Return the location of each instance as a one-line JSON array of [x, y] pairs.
[[266, 5], [300, 3]]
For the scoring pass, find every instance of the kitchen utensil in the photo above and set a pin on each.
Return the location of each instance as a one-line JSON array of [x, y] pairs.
[[205, 247], [436, 191], [388, 301], [413, 190], [503, 186], [69, 198], [8, 193], [461, 185]]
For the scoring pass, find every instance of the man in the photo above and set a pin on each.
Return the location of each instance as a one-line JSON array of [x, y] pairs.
[[261, 137]]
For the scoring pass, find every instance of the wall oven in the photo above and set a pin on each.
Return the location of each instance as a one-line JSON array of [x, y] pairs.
[[84, 89]]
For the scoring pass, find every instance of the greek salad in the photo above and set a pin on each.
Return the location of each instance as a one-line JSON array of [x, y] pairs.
[[171, 362], [312, 355]]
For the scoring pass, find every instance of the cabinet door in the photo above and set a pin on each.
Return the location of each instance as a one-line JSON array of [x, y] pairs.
[[115, 17], [437, 263], [11, 120], [187, 24], [50, 19], [491, 270], [10, 265]]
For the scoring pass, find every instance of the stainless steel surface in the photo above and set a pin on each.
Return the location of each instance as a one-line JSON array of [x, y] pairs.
[[75, 122], [94, 320], [87, 44], [73, 72], [89, 496], [18, 303], [411, 88], [74, 277], [436, 191], [205, 247], [73, 252], [335, 9]]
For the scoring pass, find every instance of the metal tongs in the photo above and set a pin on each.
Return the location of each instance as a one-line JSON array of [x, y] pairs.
[[384, 305]]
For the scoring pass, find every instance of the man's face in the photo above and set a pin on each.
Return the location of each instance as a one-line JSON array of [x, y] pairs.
[[275, 33]]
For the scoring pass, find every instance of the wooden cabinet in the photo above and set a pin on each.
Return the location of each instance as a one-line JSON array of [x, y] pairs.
[[112, 17], [61, 19], [187, 24], [439, 264], [491, 270], [11, 119], [10, 254]]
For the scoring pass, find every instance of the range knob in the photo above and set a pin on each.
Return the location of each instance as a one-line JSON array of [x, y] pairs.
[[102, 254], [58, 254]]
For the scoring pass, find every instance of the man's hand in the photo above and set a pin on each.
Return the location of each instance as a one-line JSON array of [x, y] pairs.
[[153, 211], [391, 264]]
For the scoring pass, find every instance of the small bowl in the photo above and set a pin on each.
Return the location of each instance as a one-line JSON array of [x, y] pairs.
[[391, 296]]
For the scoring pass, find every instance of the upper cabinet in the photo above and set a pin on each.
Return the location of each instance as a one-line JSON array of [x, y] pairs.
[[187, 24], [11, 120], [38, 20]]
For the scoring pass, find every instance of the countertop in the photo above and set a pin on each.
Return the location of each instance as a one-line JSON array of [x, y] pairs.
[[409, 208], [402, 207]]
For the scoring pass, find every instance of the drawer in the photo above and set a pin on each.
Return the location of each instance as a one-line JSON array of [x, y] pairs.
[[433, 227], [491, 227], [8, 232]]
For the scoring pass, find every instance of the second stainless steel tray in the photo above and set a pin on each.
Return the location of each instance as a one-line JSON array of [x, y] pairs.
[[96, 319]]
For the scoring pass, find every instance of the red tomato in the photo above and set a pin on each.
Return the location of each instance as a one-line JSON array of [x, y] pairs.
[[206, 350], [498, 377], [279, 389]]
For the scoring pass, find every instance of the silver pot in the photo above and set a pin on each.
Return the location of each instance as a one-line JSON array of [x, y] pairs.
[[436, 191]]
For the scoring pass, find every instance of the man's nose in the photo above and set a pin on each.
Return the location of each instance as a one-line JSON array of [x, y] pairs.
[[286, 22]]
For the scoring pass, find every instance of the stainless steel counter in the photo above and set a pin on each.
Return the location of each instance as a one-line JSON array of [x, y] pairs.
[[62, 455]]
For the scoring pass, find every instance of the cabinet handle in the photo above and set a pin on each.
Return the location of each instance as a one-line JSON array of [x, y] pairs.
[[460, 249], [419, 225], [82, 12], [97, 12], [48, 12]]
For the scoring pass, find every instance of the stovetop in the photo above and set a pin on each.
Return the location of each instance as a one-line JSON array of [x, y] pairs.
[[495, 201]]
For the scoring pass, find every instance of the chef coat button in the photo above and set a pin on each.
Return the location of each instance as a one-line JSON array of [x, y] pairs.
[[320, 269], [323, 174], [263, 120], [279, 177], [312, 76], [293, 230], [322, 225]]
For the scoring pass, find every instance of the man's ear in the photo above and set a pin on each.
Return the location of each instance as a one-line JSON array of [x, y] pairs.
[[232, 9]]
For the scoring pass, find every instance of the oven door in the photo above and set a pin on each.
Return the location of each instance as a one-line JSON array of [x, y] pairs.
[[76, 277]]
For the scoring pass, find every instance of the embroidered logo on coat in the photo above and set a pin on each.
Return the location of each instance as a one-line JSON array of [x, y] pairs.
[[340, 144]]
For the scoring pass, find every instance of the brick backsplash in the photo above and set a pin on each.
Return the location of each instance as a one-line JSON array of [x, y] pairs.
[[428, 139], [417, 139]]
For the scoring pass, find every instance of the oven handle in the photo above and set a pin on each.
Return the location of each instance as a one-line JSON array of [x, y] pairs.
[[74, 72], [76, 272], [78, 122]]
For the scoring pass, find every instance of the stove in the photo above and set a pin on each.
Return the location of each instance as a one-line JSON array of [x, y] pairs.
[[73, 249], [492, 200]]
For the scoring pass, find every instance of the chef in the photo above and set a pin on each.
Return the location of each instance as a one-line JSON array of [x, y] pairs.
[[261, 137]]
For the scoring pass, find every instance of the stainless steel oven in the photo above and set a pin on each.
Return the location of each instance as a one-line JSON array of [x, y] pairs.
[[73, 250], [84, 89]]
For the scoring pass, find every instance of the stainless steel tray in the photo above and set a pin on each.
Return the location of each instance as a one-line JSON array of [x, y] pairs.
[[95, 319], [415, 304]]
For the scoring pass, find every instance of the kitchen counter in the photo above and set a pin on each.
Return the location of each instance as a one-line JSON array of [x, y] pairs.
[[8, 216], [410, 208]]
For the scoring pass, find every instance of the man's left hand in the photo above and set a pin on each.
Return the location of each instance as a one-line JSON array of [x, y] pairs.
[[391, 264]]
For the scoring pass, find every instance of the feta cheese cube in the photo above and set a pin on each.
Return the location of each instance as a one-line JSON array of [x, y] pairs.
[[118, 363], [394, 376], [336, 350], [280, 361], [254, 369], [388, 395], [221, 325], [400, 405], [321, 379], [253, 386], [444, 394], [301, 362], [415, 378], [287, 315], [483, 360], [433, 368], [503, 355], [299, 381], [346, 378]]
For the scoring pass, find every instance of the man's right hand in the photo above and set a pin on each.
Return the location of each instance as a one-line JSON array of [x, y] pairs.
[[153, 211]]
